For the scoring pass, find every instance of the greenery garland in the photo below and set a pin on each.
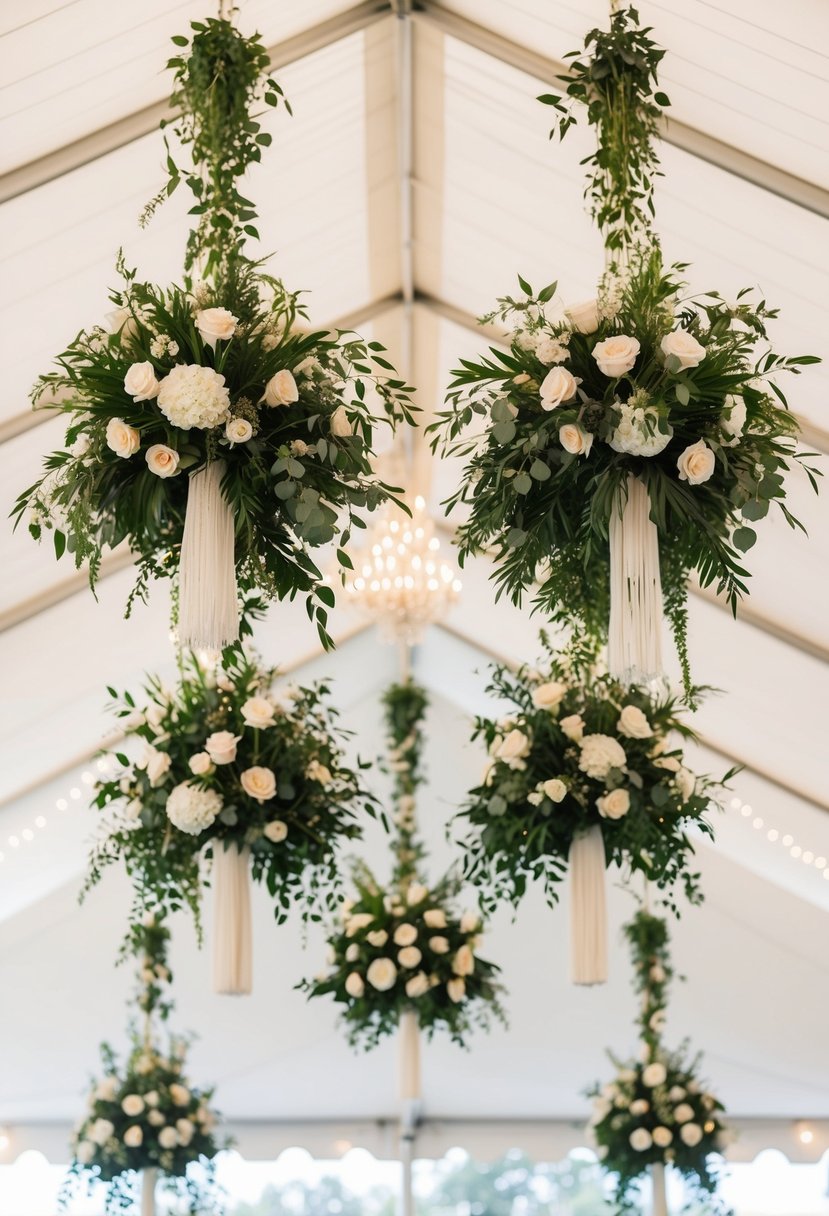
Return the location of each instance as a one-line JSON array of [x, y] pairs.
[[146, 1115], [656, 1111], [220, 369], [575, 750], [228, 758]]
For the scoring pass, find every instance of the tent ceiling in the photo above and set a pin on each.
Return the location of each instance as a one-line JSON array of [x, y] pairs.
[[491, 196]]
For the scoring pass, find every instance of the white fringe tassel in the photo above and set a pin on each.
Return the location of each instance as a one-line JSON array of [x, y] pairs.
[[409, 1047], [232, 934], [588, 910], [634, 651], [208, 606], [659, 1206], [148, 1192]]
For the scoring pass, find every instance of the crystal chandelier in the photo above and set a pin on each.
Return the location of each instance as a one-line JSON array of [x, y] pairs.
[[399, 577]]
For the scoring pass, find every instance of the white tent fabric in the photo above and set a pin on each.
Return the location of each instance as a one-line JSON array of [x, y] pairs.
[[491, 195]]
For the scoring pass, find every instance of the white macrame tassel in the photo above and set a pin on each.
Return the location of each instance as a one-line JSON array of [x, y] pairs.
[[148, 1192], [634, 650], [659, 1206], [588, 909], [409, 1047], [208, 606], [232, 933]]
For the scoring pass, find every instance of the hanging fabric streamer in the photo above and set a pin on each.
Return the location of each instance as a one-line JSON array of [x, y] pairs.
[[634, 651], [409, 1041], [148, 1178], [232, 934], [659, 1206], [588, 911], [208, 605]]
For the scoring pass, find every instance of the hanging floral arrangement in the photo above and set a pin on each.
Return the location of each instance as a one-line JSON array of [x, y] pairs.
[[583, 771], [656, 1112], [145, 1124], [402, 952], [640, 434], [229, 767], [208, 426]]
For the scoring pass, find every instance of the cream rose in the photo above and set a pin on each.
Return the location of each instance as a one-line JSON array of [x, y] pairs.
[[464, 961], [470, 922], [418, 985], [179, 1094], [106, 1089], [558, 386], [133, 1136], [616, 356], [281, 389], [355, 985], [549, 695], [690, 1134], [377, 938], [168, 1137], [276, 831], [456, 989], [317, 771], [573, 727], [85, 1152], [683, 1113], [574, 439], [633, 723], [258, 712], [200, 764], [640, 1106], [339, 424], [654, 1074], [216, 325], [697, 463], [614, 804], [435, 918], [140, 382], [221, 746], [733, 420], [259, 783], [132, 1105], [404, 935], [584, 316], [123, 440], [409, 957], [238, 430], [439, 945], [681, 345], [382, 974], [554, 789], [157, 766], [121, 321], [416, 894], [640, 1139], [360, 920], [662, 1136], [101, 1131], [513, 747], [161, 460]]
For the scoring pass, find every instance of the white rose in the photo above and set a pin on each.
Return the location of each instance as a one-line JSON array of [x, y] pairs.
[[339, 424], [158, 766], [192, 810], [377, 938], [614, 805], [573, 727], [259, 783], [151, 1098], [140, 382], [200, 764], [351, 954], [167, 1137], [382, 974], [657, 974], [439, 945], [418, 985], [686, 783], [185, 1131], [276, 831], [470, 922], [654, 1074], [633, 723], [662, 1136], [258, 712], [690, 1134], [121, 321], [435, 918], [513, 747], [106, 1089], [132, 1105], [549, 350], [683, 1113], [316, 771], [640, 1140], [161, 460], [123, 440], [238, 430], [554, 789], [404, 935], [81, 446], [281, 389], [85, 1152], [575, 440], [101, 1131], [409, 957], [221, 746], [355, 985], [681, 345], [179, 1094], [639, 1106], [456, 989], [733, 420], [697, 463], [215, 325], [416, 894], [155, 1118], [616, 356], [464, 961], [599, 754], [558, 386], [667, 762], [133, 1137], [360, 920], [584, 316], [549, 695]]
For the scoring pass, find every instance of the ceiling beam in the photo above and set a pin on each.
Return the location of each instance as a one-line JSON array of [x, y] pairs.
[[699, 143], [134, 126]]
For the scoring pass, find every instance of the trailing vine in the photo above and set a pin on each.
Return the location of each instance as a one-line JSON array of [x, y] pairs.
[[405, 706]]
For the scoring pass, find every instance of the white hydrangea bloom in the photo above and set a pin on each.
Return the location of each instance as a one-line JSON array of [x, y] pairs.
[[194, 396], [634, 437], [599, 754], [191, 809]]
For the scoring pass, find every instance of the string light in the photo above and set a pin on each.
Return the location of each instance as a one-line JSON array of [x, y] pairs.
[[797, 852], [399, 577], [28, 833]]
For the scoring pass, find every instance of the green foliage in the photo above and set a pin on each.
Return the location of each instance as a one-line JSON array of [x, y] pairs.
[[405, 706], [544, 513], [615, 78], [578, 750]]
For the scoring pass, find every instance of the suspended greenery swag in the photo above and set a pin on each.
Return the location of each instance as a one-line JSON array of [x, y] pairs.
[[221, 372]]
